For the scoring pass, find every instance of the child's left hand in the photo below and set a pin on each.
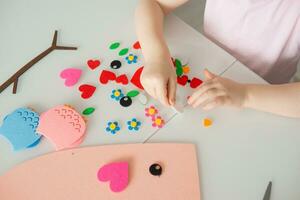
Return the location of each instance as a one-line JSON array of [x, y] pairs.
[[217, 91]]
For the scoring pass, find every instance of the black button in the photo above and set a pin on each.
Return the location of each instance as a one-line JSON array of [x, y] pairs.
[[155, 169], [125, 101], [115, 64]]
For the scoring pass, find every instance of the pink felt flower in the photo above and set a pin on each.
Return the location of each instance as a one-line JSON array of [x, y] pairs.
[[158, 122], [151, 111]]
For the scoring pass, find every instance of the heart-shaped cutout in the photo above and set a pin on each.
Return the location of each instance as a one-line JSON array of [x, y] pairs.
[[93, 64], [106, 76], [116, 173], [87, 90], [136, 78], [71, 76], [182, 80], [195, 82], [122, 79]]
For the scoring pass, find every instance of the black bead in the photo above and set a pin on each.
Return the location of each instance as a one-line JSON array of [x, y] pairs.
[[189, 81], [155, 169], [125, 101], [115, 64]]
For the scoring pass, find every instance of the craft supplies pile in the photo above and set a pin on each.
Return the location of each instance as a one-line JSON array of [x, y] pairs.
[[65, 127]]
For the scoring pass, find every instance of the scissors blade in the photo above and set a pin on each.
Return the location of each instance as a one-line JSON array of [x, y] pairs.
[[267, 195]]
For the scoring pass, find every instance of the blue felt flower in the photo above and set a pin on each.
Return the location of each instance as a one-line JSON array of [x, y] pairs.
[[131, 58], [117, 94], [112, 127], [134, 124]]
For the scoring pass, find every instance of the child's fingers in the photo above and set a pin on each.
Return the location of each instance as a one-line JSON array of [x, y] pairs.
[[202, 89], [161, 93], [221, 100], [209, 75], [172, 91], [208, 96]]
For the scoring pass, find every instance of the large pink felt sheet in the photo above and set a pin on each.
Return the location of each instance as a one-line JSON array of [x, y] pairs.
[[72, 174]]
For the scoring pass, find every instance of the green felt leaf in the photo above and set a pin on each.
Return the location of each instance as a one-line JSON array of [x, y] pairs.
[[132, 93], [179, 71], [114, 45], [123, 52], [178, 63], [88, 111]]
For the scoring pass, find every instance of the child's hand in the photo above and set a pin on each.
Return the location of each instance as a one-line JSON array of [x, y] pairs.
[[159, 80], [218, 91]]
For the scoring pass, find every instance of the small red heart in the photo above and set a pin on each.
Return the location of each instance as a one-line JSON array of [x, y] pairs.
[[182, 80], [93, 64], [122, 79], [137, 45], [106, 76], [87, 90], [195, 82], [136, 78]]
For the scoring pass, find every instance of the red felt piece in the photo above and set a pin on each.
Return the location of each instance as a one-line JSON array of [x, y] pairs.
[[106, 76], [137, 45], [136, 78], [195, 82], [93, 64], [87, 90], [182, 80], [122, 79]]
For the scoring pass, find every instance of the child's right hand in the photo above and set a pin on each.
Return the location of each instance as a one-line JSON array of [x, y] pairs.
[[159, 80]]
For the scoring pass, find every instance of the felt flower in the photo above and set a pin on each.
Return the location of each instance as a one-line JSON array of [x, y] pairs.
[[134, 124], [117, 94], [158, 122], [131, 58], [112, 127], [151, 111]]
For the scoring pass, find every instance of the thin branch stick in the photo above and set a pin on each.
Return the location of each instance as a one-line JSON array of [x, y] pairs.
[[14, 78]]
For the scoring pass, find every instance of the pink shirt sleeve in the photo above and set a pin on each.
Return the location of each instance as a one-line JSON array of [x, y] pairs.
[[262, 34]]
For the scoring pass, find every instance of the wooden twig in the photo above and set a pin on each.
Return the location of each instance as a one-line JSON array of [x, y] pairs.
[[14, 78]]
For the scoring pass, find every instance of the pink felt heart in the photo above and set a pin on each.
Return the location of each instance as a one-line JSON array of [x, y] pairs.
[[116, 174], [71, 76]]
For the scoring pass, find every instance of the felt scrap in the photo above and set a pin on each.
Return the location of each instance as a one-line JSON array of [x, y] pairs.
[[107, 76], [87, 90], [207, 122], [114, 45], [143, 99], [71, 76], [88, 111], [63, 126], [19, 128], [93, 64], [123, 52], [136, 45], [116, 173], [133, 93], [136, 78]]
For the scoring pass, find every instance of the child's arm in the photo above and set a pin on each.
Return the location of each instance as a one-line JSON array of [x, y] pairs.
[[279, 99], [158, 77]]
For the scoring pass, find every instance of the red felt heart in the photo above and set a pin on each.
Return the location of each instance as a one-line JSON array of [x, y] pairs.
[[122, 79], [136, 78], [106, 76], [93, 64], [137, 45], [87, 90], [182, 80], [195, 82]]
